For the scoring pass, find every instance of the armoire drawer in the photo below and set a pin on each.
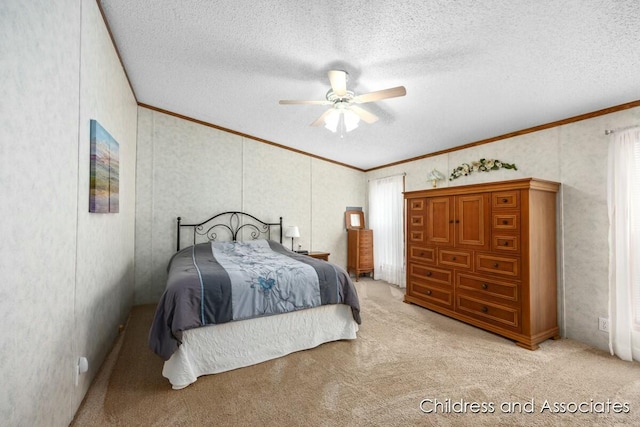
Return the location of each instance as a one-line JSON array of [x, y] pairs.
[[505, 199], [431, 293], [509, 221], [506, 266], [488, 288], [488, 312], [421, 254], [506, 243], [417, 204], [459, 259], [416, 236], [416, 221], [439, 276]]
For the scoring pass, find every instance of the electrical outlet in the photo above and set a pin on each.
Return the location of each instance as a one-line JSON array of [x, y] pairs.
[[603, 324], [81, 367]]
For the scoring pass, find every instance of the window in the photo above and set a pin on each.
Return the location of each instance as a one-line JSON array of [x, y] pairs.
[[386, 220]]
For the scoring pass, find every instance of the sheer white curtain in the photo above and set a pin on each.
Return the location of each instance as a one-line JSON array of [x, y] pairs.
[[623, 199], [386, 203]]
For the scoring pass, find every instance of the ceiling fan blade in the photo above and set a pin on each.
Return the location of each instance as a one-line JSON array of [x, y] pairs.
[[380, 94], [338, 81], [288, 102], [365, 115], [320, 120]]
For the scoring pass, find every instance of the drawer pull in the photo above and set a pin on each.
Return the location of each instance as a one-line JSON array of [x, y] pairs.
[[450, 221], [505, 200], [484, 309], [496, 265], [505, 222], [428, 292], [428, 273], [485, 286], [506, 243], [453, 258], [421, 254], [457, 221]]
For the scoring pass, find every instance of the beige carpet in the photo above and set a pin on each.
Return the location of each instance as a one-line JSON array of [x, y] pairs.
[[403, 355]]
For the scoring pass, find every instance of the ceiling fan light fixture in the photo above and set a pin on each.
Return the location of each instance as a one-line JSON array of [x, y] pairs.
[[345, 115], [331, 121], [342, 120], [351, 120]]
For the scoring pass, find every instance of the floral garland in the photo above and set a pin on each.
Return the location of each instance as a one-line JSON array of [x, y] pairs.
[[482, 165]]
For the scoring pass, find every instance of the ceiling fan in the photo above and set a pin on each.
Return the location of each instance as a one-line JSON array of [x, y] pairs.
[[345, 112]]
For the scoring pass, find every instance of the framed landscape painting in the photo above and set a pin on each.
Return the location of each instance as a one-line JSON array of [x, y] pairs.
[[104, 180]]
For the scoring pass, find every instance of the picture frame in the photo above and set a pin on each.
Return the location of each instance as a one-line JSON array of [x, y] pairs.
[[104, 171]]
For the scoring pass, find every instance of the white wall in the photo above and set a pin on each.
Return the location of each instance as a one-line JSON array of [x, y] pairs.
[[194, 171], [105, 242], [66, 278], [574, 155]]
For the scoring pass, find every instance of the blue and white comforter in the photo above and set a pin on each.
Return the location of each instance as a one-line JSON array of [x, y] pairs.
[[218, 282]]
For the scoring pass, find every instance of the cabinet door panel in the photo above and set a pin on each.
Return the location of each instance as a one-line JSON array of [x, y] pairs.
[[440, 220], [472, 221]]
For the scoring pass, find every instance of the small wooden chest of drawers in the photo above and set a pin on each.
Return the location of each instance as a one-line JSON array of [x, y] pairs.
[[360, 251]]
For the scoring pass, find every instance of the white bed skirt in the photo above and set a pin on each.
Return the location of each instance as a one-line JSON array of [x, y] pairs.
[[219, 348]]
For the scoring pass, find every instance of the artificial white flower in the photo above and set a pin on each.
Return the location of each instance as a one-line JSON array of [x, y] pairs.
[[482, 165]]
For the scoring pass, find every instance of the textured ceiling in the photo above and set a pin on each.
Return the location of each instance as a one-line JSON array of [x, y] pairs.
[[472, 69]]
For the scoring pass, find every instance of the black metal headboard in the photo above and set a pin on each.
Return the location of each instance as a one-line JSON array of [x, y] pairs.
[[235, 222]]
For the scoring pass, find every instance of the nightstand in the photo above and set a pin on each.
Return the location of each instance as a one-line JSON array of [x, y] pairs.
[[319, 255]]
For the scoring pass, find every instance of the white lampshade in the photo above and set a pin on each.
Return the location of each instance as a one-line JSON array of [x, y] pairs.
[[292, 231], [341, 119], [331, 121], [351, 120], [435, 174]]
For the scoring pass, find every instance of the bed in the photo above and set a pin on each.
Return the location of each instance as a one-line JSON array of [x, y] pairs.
[[236, 297]]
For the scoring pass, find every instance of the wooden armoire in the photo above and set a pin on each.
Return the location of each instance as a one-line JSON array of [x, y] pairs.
[[485, 254], [359, 244]]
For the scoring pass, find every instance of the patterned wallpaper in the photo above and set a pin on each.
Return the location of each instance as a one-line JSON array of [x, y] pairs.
[[67, 277], [104, 286], [194, 171]]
